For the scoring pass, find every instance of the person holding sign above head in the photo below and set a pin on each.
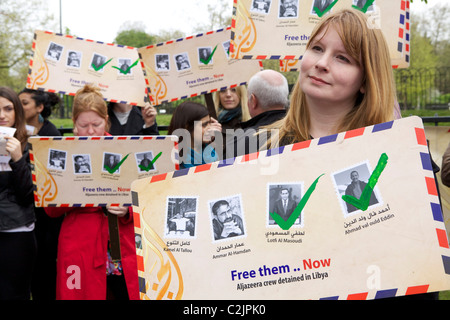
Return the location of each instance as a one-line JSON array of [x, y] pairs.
[[192, 123], [345, 83], [85, 269], [17, 217], [131, 120]]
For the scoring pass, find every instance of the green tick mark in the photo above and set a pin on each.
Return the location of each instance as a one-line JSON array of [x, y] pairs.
[[112, 170], [150, 165], [101, 66], [321, 13], [363, 202], [127, 71], [366, 6], [285, 225], [207, 60]]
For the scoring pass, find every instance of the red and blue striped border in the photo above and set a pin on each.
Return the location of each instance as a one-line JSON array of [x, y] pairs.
[[441, 235], [81, 39], [95, 138]]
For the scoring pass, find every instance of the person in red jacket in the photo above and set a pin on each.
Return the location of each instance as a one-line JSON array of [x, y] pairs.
[[85, 270]]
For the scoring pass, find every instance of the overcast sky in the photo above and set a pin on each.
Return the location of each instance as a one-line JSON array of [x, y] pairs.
[[101, 20]]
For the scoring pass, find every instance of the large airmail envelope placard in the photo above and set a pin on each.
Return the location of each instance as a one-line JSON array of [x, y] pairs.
[[438, 140], [280, 29], [96, 171], [194, 65], [208, 232], [64, 64]]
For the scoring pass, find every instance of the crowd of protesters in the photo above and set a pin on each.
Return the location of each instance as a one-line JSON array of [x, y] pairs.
[[345, 83]]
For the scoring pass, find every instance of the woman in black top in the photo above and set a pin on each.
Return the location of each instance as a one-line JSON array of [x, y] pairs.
[[38, 106], [17, 217], [131, 120]]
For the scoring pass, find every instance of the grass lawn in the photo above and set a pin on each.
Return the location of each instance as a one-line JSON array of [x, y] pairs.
[[444, 295]]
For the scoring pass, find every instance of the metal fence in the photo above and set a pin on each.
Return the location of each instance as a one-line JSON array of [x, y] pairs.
[[417, 88], [423, 88]]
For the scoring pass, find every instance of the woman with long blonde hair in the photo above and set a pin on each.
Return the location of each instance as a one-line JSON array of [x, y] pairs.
[[345, 82], [231, 106]]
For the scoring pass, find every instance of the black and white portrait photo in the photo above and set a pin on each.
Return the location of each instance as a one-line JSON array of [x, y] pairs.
[[227, 218], [74, 59], [204, 54], [226, 48], [98, 62], [144, 161], [124, 66], [182, 61], [320, 5], [111, 160], [352, 182], [57, 160], [283, 198], [81, 163], [54, 51], [260, 6], [162, 62], [362, 3], [181, 217], [288, 9]]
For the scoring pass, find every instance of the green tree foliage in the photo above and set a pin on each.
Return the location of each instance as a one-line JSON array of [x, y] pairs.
[[17, 20], [134, 35], [426, 82], [219, 16]]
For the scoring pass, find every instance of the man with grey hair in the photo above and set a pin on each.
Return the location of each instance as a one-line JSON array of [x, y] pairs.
[[268, 93]]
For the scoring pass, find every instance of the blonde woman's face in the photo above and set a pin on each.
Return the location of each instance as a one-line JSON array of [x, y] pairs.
[[229, 99], [89, 123], [328, 72]]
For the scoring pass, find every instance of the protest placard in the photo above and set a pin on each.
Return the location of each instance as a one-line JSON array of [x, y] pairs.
[[5, 157], [64, 64], [194, 65], [96, 171], [280, 29], [438, 139], [387, 239]]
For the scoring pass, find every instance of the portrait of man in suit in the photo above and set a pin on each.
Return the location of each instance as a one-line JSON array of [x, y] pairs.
[[111, 160], [97, 61], [283, 199], [361, 4], [321, 5]]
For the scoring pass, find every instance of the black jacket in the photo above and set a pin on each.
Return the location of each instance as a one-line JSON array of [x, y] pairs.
[[134, 125], [48, 130], [245, 141], [16, 195]]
